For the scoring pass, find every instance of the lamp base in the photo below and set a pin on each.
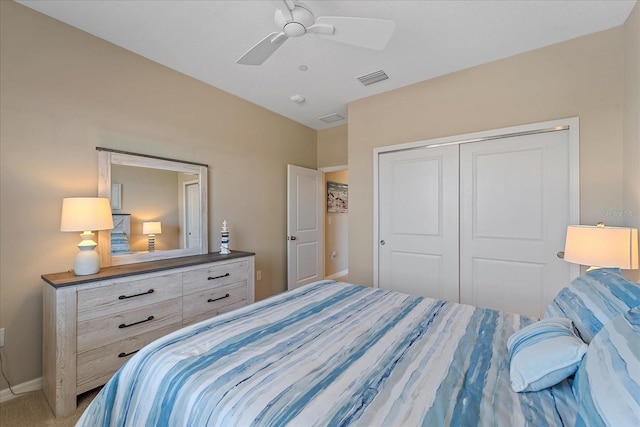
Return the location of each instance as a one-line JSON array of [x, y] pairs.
[[87, 261], [152, 243]]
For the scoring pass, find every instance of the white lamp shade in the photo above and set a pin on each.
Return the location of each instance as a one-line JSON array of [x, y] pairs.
[[86, 214], [154, 227], [609, 247]]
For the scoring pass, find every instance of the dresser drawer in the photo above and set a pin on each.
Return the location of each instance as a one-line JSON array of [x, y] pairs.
[[119, 297], [96, 366], [203, 279], [213, 301], [105, 330]]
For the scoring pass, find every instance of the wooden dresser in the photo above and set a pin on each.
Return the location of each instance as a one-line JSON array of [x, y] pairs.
[[93, 324]]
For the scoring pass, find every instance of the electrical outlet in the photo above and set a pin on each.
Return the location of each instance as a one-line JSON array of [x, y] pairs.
[[2, 337], [258, 275]]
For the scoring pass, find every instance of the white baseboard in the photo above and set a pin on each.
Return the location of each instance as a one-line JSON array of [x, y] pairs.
[[338, 274], [33, 385]]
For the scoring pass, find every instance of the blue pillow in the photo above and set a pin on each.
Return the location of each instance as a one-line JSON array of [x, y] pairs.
[[593, 299], [543, 354], [607, 385]]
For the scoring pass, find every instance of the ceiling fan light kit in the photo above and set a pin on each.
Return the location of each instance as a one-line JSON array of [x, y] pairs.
[[295, 19]]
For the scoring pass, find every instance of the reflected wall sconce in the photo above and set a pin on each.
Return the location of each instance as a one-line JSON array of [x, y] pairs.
[[86, 214], [151, 229], [602, 247]]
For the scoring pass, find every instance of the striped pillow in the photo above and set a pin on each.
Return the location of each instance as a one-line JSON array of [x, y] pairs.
[[543, 354], [119, 243], [593, 299], [607, 385]]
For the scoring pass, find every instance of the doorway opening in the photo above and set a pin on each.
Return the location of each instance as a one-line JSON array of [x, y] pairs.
[[336, 223]]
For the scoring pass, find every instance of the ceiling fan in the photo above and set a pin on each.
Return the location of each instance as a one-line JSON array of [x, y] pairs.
[[295, 19]]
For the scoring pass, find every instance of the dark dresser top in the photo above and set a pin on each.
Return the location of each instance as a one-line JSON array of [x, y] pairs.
[[68, 278]]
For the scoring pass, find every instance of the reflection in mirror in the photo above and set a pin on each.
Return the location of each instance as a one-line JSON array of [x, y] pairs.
[[146, 195], [150, 189]]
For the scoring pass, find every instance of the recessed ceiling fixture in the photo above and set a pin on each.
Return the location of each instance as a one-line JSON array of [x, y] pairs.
[[303, 67], [375, 77], [331, 118]]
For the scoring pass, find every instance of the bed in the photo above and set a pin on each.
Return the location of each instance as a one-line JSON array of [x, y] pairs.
[[334, 354]]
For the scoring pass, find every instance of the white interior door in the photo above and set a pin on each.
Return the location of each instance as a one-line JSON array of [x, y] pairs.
[[305, 222], [418, 222], [514, 210], [192, 214]]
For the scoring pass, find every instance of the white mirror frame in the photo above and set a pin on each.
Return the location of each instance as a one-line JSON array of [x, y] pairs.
[[108, 157]]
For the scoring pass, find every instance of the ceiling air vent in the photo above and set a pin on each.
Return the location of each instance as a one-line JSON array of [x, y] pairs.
[[335, 117], [371, 78]]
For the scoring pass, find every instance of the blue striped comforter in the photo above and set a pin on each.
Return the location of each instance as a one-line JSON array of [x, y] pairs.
[[331, 354]]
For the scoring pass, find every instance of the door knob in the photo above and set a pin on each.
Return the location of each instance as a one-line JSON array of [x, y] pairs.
[[382, 242], [292, 238]]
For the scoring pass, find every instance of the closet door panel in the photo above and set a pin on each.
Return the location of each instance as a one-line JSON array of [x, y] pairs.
[[418, 209], [508, 193], [502, 281], [417, 274], [514, 207]]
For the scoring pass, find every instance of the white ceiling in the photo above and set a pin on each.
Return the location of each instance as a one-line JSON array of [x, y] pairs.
[[203, 39]]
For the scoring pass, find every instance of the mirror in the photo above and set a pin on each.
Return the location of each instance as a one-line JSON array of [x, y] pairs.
[[159, 207]]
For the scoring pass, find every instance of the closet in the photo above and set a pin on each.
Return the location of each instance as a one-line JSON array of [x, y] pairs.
[[479, 219]]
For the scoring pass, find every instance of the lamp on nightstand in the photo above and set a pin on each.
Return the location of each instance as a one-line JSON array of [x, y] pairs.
[[151, 229], [602, 247], [86, 214]]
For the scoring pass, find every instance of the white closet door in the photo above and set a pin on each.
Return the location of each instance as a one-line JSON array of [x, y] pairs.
[[514, 208], [418, 222]]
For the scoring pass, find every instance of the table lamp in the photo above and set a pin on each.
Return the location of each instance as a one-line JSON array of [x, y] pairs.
[[602, 247], [151, 229], [86, 214]]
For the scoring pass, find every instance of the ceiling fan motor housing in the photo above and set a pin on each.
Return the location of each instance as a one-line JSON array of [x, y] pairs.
[[296, 27]]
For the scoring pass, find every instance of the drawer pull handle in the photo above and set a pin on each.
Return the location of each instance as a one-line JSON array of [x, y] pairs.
[[218, 277], [150, 291], [218, 299], [127, 354], [124, 325]]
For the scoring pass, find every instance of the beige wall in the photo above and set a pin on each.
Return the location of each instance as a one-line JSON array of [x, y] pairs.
[[332, 147], [336, 232], [64, 92], [582, 77], [631, 134]]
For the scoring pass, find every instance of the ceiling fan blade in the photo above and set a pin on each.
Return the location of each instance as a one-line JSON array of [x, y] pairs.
[[286, 6], [279, 4], [363, 32], [263, 49], [321, 29]]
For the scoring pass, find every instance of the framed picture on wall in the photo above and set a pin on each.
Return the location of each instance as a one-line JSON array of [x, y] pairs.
[[337, 197]]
